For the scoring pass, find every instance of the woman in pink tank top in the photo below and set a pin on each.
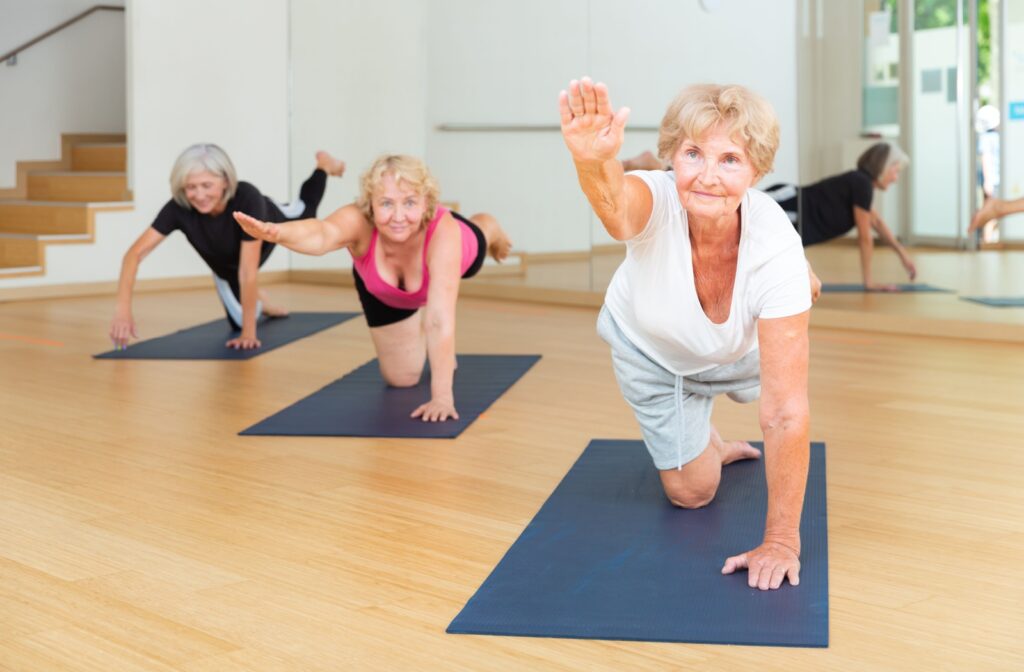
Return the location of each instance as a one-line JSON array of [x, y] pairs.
[[409, 254]]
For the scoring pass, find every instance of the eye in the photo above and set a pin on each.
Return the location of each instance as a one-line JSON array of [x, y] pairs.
[[691, 154], [410, 203]]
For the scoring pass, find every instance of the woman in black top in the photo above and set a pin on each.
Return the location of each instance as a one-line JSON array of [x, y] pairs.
[[205, 192], [829, 208]]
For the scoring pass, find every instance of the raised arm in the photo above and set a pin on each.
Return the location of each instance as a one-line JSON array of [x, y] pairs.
[[122, 329], [593, 133], [785, 421], [340, 229]]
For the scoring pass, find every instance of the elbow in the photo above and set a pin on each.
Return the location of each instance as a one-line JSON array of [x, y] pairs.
[[789, 417]]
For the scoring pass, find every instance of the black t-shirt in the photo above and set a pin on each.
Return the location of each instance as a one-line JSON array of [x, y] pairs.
[[218, 238], [826, 207]]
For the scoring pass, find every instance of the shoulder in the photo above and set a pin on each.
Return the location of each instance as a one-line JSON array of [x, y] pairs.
[[246, 191], [170, 217], [770, 232], [660, 183]]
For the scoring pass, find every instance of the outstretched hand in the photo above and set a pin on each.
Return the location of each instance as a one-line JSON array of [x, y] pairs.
[[257, 229], [591, 129], [767, 566]]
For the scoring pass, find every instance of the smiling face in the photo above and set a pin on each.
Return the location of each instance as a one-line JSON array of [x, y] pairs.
[[397, 210], [888, 176], [712, 175], [205, 192]]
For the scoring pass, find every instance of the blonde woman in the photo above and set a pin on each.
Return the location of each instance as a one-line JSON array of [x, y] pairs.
[[409, 254], [712, 298], [204, 192]]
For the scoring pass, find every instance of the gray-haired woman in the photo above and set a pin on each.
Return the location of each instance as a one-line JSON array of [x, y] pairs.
[[831, 207], [205, 191], [712, 298]]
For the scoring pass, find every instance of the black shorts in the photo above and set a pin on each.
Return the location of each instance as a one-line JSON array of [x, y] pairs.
[[379, 314]]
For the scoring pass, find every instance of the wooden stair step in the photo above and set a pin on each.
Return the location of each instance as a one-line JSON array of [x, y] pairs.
[[78, 186], [99, 156], [44, 218], [20, 252]]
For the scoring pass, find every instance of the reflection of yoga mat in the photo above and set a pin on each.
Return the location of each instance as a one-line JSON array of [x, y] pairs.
[[206, 341], [855, 288], [362, 404], [997, 301], [608, 557]]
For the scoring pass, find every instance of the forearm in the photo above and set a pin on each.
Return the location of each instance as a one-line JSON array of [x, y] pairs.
[[604, 184], [787, 455], [126, 283], [250, 298], [886, 234], [441, 354], [866, 248]]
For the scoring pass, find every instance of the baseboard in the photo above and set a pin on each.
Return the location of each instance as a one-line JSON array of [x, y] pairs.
[[109, 288]]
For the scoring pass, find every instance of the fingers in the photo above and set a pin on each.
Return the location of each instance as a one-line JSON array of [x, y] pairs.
[[588, 95], [563, 109], [428, 412], [794, 575], [575, 98], [734, 563], [619, 120]]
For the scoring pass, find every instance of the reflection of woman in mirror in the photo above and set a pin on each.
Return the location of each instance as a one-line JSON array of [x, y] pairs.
[[205, 191], [711, 299], [986, 218], [832, 207], [409, 253]]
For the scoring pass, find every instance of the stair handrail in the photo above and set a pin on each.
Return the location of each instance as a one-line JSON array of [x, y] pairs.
[[75, 19]]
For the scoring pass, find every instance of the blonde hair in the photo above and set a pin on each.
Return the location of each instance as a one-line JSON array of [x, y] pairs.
[[403, 169], [746, 115], [198, 158]]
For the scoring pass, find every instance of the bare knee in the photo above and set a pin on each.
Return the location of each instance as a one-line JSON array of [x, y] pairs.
[[404, 378], [690, 495]]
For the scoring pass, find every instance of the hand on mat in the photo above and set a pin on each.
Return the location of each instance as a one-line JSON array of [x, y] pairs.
[[121, 330], [880, 287], [257, 229], [244, 342], [436, 410], [592, 131], [908, 264], [767, 565]]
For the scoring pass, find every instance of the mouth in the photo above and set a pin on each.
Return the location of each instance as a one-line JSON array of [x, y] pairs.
[[704, 194]]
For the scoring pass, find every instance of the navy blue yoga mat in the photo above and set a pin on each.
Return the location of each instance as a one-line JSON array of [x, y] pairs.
[[607, 557], [854, 288], [997, 301], [206, 341], [362, 404]]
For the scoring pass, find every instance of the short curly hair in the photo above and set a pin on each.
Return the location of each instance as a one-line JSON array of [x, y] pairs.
[[404, 169], [747, 117]]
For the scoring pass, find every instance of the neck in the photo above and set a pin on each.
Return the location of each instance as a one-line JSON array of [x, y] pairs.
[[708, 234]]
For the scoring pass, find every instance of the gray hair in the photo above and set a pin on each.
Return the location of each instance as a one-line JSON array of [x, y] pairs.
[[877, 158], [198, 158]]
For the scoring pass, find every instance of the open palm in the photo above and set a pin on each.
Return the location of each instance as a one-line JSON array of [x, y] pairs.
[[592, 131]]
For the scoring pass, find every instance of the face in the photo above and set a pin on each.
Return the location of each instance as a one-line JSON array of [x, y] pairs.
[[205, 191], [888, 176], [712, 174], [397, 210]]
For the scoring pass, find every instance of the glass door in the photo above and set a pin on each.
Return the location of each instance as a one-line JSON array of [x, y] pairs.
[[1011, 52], [940, 40]]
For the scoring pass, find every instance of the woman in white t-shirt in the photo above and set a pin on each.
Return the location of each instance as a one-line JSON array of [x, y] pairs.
[[713, 298]]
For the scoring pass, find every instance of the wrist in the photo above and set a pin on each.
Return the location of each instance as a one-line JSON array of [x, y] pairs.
[[790, 540]]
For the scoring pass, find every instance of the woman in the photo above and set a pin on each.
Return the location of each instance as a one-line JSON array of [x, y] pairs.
[[712, 298], [835, 205], [409, 254], [205, 191]]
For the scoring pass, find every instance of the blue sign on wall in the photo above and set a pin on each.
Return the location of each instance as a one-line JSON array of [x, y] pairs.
[[1017, 110]]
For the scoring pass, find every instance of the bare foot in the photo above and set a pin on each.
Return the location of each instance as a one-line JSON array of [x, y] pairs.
[[987, 212], [644, 161], [500, 246], [269, 309], [329, 164], [733, 451]]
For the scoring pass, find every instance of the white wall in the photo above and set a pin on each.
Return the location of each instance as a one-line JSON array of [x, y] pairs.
[[200, 72], [505, 64], [359, 89], [71, 82]]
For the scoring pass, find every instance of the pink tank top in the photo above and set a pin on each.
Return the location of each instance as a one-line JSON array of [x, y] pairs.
[[366, 266]]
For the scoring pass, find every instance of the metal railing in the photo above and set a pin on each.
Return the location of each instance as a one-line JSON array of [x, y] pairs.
[[11, 57]]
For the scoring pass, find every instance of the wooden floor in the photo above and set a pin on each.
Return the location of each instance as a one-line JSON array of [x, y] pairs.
[[139, 532]]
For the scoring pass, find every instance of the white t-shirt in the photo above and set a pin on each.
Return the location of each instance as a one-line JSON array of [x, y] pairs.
[[654, 300]]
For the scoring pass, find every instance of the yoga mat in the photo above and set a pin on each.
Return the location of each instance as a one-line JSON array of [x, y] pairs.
[[997, 301], [362, 404], [854, 288], [608, 557], [206, 341]]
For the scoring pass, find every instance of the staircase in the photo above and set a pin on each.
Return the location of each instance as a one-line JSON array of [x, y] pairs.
[[54, 202]]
